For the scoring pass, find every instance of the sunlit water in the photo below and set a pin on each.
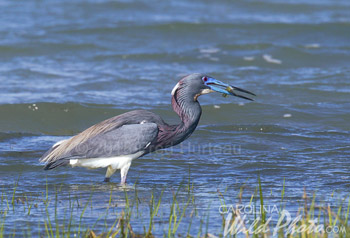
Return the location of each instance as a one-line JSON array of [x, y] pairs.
[[68, 65]]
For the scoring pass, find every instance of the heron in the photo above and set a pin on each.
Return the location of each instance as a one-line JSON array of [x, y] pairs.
[[114, 143]]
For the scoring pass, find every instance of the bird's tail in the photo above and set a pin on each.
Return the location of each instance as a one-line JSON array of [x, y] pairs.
[[57, 163]]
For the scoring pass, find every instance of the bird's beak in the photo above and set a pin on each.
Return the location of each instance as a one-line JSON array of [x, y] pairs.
[[226, 89]]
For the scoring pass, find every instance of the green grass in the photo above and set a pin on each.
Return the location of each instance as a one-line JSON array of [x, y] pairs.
[[124, 213]]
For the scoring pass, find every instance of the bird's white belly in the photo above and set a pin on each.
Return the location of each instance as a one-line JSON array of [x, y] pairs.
[[117, 162]]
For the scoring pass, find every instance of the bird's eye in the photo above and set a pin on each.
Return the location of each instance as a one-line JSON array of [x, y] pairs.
[[205, 79]]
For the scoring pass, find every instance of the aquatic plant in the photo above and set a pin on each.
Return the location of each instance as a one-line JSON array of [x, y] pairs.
[[48, 215]]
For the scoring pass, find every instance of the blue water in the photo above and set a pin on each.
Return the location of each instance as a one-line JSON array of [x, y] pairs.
[[65, 66]]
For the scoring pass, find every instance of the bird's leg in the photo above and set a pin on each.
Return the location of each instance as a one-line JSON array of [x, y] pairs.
[[109, 173], [124, 172]]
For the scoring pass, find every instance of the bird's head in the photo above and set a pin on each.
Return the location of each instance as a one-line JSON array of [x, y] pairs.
[[198, 84]]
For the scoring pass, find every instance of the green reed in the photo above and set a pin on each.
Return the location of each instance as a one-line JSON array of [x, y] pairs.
[[176, 215]]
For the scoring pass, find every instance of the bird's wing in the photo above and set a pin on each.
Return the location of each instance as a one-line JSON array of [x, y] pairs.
[[123, 140], [66, 146]]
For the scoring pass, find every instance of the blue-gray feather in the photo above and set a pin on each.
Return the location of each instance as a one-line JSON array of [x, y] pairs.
[[125, 140]]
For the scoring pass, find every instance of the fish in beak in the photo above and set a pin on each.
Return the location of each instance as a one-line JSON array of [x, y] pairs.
[[225, 88]]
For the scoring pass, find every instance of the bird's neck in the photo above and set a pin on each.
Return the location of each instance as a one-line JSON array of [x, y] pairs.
[[189, 111]]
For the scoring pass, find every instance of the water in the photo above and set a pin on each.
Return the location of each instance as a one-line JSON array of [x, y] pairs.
[[68, 65]]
